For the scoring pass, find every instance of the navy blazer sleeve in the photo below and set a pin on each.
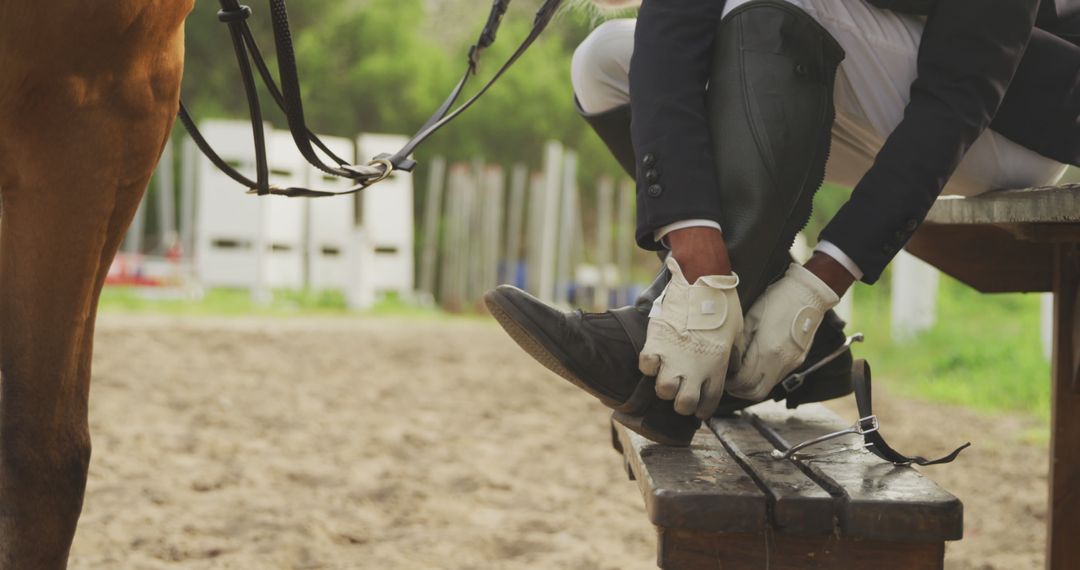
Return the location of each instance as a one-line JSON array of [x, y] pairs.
[[969, 53], [669, 72]]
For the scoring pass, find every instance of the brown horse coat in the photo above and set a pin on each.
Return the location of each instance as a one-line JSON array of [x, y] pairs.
[[88, 93]]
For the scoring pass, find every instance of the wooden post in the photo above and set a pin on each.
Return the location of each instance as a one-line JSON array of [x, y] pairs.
[[452, 254], [166, 198], [512, 257], [1063, 548], [491, 226], [474, 240], [188, 174], [605, 193], [432, 214], [564, 264], [914, 296], [534, 235], [624, 244], [549, 223]]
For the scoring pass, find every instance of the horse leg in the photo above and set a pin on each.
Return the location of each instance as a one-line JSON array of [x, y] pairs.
[[71, 179]]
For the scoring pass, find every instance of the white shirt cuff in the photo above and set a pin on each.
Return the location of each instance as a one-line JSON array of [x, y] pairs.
[[659, 234], [830, 249]]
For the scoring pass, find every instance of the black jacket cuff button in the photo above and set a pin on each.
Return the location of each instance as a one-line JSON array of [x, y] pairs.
[[649, 160], [655, 190]]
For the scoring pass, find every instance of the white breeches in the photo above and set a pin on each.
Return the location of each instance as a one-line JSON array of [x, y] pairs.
[[872, 90]]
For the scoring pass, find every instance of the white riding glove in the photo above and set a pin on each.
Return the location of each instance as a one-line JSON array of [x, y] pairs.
[[692, 329], [779, 329]]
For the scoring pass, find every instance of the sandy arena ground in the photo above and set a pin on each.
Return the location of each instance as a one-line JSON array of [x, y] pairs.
[[428, 444]]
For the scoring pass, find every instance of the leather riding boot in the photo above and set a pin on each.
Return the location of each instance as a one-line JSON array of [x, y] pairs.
[[771, 113], [597, 352], [832, 381], [613, 127]]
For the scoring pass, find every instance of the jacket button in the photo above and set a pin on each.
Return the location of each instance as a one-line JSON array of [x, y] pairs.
[[801, 69], [656, 190], [649, 160], [900, 236], [912, 225], [652, 175]]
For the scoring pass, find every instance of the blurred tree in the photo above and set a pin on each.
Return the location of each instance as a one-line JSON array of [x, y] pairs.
[[385, 65]]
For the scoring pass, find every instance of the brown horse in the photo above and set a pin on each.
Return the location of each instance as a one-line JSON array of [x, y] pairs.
[[88, 94]]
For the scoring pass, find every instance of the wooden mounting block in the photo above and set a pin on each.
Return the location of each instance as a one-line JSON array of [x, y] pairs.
[[725, 502]]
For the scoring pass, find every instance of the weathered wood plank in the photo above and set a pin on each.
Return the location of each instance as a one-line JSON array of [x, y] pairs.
[[798, 505], [688, 550], [880, 500], [1055, 204], [700, 487], [987, 258], [1063, 549]]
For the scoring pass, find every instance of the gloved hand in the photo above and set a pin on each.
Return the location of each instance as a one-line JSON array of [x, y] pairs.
[[692, 329], [779, 329]]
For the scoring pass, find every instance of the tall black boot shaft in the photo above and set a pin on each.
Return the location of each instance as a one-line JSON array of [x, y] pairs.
[[613, 127], [771, 113]]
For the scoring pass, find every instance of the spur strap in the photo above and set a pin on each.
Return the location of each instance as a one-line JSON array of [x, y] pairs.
[[875, 442]]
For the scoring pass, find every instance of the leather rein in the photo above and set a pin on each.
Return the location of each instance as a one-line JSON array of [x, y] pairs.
[[288, 99]]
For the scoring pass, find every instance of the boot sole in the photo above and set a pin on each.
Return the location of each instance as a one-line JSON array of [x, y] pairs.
[[533, 342], [652, 424]]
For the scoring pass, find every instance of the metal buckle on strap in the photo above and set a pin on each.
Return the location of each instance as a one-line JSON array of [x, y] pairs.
[[863, 426], [388, 169], [795, 381]]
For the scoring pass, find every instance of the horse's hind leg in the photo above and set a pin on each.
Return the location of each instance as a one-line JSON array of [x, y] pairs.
[[55, 246], [72, 174]]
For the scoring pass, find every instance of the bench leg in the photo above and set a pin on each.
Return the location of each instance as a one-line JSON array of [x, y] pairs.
[[1063, 550], [690, 550]]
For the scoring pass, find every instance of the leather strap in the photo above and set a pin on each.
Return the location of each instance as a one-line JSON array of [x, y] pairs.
[[289, 100], [874, 440]]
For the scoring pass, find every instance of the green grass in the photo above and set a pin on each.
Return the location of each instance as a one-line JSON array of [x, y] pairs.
[[238, 302], [984, 352]]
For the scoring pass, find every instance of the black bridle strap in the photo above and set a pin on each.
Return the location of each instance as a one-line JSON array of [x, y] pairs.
[[290, 88], [289, 99], [540, 22]]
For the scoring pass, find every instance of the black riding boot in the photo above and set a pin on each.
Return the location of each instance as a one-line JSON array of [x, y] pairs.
[[771, 114], [780, 110], [613, 127]]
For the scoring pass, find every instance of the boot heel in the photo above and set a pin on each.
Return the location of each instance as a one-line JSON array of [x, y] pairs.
[[661, 423]]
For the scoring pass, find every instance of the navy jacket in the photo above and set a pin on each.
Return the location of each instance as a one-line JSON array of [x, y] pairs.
[[1010, 65]]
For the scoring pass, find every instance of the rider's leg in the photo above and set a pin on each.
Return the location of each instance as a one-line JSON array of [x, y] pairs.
[[873, 88], [598, 352], [599, 74]]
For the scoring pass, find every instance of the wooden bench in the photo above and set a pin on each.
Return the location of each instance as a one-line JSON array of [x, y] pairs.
[[726, 502], [1027, 241]]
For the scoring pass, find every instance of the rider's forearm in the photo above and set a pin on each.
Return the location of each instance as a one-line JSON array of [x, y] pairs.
[[700, 251], [960, 85]]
